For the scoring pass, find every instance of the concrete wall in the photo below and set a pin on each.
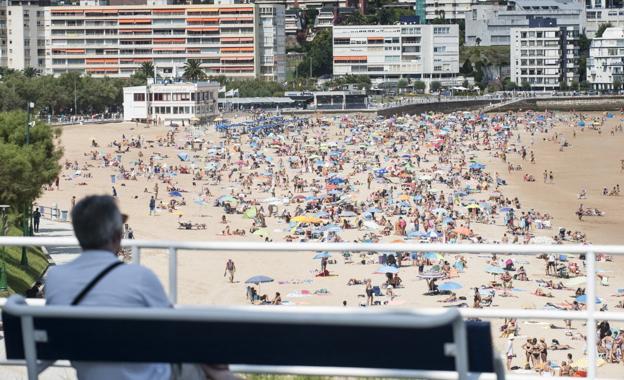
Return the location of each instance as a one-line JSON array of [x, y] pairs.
[[593, 103], [444, 107]]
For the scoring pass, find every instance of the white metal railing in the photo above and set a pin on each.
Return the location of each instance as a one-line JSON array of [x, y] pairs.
[[590, 315]]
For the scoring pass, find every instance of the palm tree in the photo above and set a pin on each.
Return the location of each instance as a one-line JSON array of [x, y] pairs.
[[30, 72], [193, 71], [146, 70]]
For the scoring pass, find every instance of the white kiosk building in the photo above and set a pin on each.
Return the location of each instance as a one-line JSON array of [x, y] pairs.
[[171, 102]]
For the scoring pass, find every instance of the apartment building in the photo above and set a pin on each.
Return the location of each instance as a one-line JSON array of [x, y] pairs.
[[22, 37], [602, 12], [605, 65], [272, 39], [114, 41], [447, 9], [544, 56], [490, 24], [425, 52]]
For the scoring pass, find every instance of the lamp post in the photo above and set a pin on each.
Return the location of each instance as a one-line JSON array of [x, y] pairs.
[[28, 205], [4, 228]]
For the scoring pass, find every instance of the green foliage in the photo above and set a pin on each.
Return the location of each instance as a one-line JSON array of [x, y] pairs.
[[146, 70], [26, 168], [56, 95], [526, 86], [402, 83], [193, 71], [584, 44], [617, 84], [574, 85], [362, 82], [602, 28], [436, 86], [318, 56], [488, 55], [20, 278], [420, 85], [584, 85], [466, 68], [508, 85], [563, 86]]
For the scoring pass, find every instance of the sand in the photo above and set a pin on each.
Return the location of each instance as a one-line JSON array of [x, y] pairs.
[[592, 162]]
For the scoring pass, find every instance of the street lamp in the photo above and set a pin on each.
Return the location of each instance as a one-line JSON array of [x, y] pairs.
[[4, 228], [27, 206]]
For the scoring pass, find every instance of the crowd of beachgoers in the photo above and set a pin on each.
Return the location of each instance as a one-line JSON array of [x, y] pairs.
[[427, 178]]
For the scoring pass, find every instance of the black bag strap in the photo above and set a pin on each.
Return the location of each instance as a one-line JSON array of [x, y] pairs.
[[94, 282]]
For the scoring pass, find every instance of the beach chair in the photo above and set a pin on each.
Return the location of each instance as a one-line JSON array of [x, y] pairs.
[[341, 345], [377, 291]]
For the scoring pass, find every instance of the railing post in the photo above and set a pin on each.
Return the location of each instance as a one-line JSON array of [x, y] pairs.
[[173, 275], [590, 259], [30, 349], [136, 255]]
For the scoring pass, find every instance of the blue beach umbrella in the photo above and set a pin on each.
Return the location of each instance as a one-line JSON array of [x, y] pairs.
[[450, 286], [583, 299], [494, 270], [321, 255], [387, 269], [260, 279]]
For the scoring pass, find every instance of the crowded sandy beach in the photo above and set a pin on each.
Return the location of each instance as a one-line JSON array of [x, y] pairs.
[[461, 178]]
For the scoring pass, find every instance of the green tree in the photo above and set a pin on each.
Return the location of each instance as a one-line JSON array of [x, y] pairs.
[[193, 71], [30, 72], [526, 86], [318, 58], [584, 85], [617, 84], [435, 86], [466, 68], [419, 86], [26, 168], [146, 70], [574, 85], [508, 85], [584, 44], [402, 84], [563, 86], [601, 29]]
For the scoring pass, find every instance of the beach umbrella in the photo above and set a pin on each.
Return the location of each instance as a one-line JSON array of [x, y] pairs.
[[373, 210], [306, 219], [486, 292], [476, 166], [494, 270], [433, 234], [260, 279], [175, 194], [542, 240], [250, 213], [431, 275], [262, 232], [506, 209], [404, 197], [387, 269], [450, 285], [348, 214], [583, 299], [321, 255], [473, 206], [226, 198], [183, 156], [371, 225], [433, 256]]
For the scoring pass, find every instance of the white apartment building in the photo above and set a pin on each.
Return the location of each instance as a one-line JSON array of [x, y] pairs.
[[606, 59], [272, 39], [602, 12], [22, 36], [544, 57], [181, 102], [114, 41], [447, 9], [424, 52], [490, 24]]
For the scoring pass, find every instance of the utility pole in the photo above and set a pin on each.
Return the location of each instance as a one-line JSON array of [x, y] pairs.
[[28, 205], [75, 99]]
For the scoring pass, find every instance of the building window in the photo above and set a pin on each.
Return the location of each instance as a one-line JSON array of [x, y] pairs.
[[139, 97]]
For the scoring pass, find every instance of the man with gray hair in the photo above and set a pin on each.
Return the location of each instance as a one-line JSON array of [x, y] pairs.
[[98, 278]]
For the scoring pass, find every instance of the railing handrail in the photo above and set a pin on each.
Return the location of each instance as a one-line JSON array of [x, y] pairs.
[[516, 249]]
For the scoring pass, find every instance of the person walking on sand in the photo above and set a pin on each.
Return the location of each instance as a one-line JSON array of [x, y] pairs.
[[369, 293], [509, 352], [551, 177], [230, 268], [545, 176], [152, 206]]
